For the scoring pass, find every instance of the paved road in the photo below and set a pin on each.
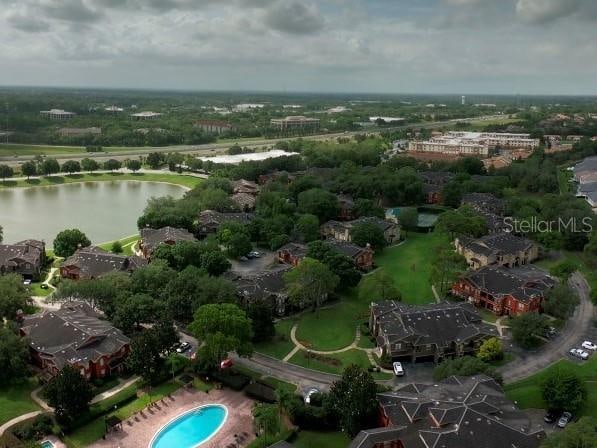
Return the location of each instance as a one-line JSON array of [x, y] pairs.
[[577, 329]]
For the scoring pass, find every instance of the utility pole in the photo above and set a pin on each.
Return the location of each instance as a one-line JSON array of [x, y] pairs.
[[6, 104]]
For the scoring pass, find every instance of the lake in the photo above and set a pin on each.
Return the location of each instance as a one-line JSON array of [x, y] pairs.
[[104, 211]]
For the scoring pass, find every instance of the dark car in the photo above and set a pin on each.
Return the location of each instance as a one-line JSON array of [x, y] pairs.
[[183, 347], [551, 416]]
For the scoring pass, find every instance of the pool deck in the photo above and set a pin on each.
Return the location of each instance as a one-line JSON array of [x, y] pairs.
[[138, 430]]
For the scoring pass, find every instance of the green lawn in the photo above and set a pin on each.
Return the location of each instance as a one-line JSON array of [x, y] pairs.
[[127, 244], [281, 345], [174, 178], [16, 400], [92, 431], [577, 257], [318, 439], [9, 150], [336, 363], [37, 290], [410, 266], [527, 392]]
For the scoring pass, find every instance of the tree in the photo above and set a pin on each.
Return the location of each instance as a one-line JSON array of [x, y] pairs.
[[367, 207], [133, 165], [310, 283], [135, 310], [308, 227], [262, 320], [464, 366], [112, 164], [564, 269], [5, 172], [155, 159], [491, 350], [563, 389], [13, 357], [222, 328], [68, 241], [560, 301], [69, 393], [14, 296], [446, 266], [409, 218], [464, 221], [527, 327], [352, 399], [71, 166], [116, 247], [146, 357], [590, 249], [318, 202], [379, 285], [29, 169], [580, 434], [368, 233], [89, 165], [266, 418], [239, 244], [152, 279], [49, 167], [1, 234]]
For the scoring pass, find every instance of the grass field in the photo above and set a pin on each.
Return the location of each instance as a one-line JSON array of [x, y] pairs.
[[336, 363], [577, 257], [410, 266], [178, 179], [527, 392], [281, 345], [92, 431], [16, 400], [11, 150], [127, 244], [318, 439]]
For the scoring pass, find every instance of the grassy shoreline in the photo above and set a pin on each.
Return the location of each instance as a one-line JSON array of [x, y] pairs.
[[182, 180]]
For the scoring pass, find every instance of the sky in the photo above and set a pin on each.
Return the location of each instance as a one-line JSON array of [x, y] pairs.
[[382, 46]]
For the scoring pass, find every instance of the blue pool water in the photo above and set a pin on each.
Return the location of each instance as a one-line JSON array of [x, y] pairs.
[[192, 428], [47, 444]]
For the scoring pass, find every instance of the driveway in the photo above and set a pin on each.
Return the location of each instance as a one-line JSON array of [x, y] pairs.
[[577, 329], [267, 259]]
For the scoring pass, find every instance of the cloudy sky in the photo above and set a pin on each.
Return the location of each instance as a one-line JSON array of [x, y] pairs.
[[418, 46]]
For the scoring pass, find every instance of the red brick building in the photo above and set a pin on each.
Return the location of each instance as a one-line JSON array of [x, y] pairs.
[[74, 335], [505, 291]]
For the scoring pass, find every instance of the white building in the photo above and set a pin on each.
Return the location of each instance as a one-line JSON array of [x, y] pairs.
[[57, 114], [387, 119], [473, 143], [213, 126], [295, 122], [146, 115], [114, 109], [337, 110], [244, 107]]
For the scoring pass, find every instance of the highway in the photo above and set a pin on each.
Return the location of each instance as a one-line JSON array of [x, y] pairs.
[[212, 149]]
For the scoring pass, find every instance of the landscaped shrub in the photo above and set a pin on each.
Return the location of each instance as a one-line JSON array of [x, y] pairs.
[[261, 392], [234, 381], [34, 429]]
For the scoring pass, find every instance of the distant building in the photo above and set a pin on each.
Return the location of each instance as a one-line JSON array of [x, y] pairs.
[[77, 132], [245, 107], [433, 184], [146, 115], [26, 258], [213, 126], [505, 291], [427, 333], [362, 257], [57, 114], [246, 186], [266, 286], [152, 238], [74, 335], [244, 201], [457, 412], [387, 120], [473, 143], [463, 100], [93, 262], [114, 109], [346, 204], [295, 122]]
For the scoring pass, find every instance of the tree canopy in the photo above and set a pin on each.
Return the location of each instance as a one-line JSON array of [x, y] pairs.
[[68, 241]]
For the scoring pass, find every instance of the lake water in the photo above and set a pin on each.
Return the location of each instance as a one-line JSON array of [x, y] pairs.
[[104, 211]]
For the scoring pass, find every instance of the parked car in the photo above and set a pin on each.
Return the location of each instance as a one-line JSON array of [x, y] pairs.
[[309, 394], [43, 286], [551, 332], [398, 369], [550, 416], [243, 258], [564, 419], [255, 254], [588, 345], [578, 353], [183, 347], [226, 363], [27, 281]]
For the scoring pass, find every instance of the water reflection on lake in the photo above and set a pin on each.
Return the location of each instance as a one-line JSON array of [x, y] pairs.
[[104, 211]]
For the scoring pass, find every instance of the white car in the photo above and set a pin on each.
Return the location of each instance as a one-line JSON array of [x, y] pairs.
[[27, 282], [578, 353], [398, 369], [310, 393], [588, 345]]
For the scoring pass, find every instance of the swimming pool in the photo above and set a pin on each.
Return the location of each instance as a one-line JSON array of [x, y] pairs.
[[192, 428], [47, 444]]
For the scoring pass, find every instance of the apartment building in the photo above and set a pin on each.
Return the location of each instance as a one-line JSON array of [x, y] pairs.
[[57, 114], [295, 122]]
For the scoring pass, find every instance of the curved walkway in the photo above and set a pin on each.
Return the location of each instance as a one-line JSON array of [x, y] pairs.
[[18, 419]]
